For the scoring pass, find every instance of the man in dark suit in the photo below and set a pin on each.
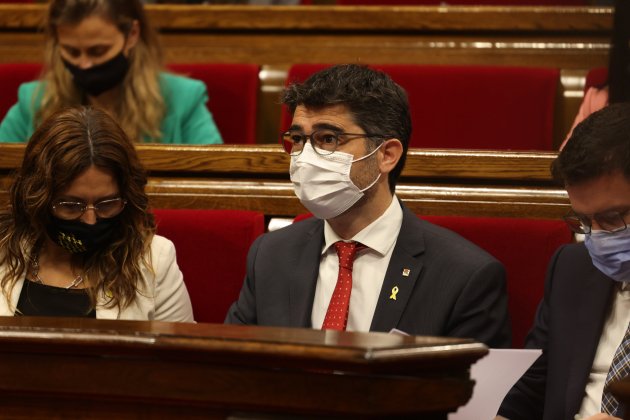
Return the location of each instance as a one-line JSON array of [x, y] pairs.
[[582, 322], [348, 141]]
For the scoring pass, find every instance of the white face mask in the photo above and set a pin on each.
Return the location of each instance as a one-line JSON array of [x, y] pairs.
[[322, 182]]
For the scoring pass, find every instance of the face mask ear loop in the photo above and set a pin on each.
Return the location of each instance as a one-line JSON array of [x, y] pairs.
[[372, 184], [369, 154], [365, 157]]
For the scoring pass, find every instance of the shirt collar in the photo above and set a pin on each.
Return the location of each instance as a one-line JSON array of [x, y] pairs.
[[377, 235]]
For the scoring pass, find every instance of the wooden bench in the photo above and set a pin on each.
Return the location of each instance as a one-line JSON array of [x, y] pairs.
[[572, 39], [434, 182]]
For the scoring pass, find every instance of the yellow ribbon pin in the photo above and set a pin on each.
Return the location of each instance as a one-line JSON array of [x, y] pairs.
[[394, 293]]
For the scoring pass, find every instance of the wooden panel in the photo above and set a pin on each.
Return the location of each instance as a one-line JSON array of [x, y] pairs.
[[573, 39], [448, 182], [150, 369]]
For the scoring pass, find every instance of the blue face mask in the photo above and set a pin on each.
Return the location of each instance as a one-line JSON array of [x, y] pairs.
[[610, 253]]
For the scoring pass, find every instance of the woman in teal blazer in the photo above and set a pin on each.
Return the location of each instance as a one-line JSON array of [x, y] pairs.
[[104, 53]]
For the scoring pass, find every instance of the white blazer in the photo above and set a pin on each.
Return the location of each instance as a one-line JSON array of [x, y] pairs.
[[162, 296]]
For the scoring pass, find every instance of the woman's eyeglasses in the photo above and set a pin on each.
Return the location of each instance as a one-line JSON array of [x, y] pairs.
[[105, 209]]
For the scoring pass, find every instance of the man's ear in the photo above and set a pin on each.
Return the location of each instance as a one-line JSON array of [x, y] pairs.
[[133, 36], [390, 153]]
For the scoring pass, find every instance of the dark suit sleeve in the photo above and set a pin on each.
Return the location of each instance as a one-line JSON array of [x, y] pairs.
[[243, 311], [526, 399], [481, 310]]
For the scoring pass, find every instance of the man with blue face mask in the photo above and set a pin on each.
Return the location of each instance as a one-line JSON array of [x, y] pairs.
[[582, 322], [364, 262]]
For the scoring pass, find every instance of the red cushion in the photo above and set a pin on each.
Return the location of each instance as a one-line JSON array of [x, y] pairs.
[[524, 246], [12, 75], [211, 250], [597, 77], [471, 107], [233, 96]]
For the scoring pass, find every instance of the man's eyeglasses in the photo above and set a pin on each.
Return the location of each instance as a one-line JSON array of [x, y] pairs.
[[609, 221], [324, 142], [72, 210]]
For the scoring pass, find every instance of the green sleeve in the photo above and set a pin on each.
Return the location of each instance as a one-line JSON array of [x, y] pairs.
[[18, 126], [187, 119], [198, 126]]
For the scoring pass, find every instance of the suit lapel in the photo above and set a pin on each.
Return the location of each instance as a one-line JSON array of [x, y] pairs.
[[304, 277], [401, 275], [594, 301]]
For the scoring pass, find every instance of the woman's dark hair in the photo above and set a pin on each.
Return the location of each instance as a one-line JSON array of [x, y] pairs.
[[62, 148]]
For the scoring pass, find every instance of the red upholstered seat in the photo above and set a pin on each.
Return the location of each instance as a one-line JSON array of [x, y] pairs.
[[524, 246], [12, 75], [597, 77], [211, 250], [233, 96], [471, 107]]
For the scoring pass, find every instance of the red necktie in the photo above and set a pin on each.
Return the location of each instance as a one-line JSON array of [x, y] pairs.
[[337, 313]]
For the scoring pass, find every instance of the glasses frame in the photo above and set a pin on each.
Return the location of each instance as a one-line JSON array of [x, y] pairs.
[[309, 137], [85, 207], [586, 228]]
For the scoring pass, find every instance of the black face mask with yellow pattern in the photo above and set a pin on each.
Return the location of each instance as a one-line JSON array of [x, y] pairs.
[[78, 237]]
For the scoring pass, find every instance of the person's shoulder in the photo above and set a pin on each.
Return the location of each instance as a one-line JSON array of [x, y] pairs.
[[28, 89], [447, 242], [295, 232], [178, 83], [160, 244]]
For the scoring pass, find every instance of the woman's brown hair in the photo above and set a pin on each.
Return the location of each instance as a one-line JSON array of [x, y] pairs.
[[62, 148]]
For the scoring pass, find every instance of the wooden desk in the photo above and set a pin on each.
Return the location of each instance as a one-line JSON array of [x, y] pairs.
[[434, 182], [95, 369]]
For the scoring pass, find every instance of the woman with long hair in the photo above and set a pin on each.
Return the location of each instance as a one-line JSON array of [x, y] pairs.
[[104, 53], [77, 238]]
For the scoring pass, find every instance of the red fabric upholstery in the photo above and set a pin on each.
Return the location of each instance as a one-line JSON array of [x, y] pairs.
[[12, 75], [471, 107], [233, 97], [597, 77], [211, 250], [524, 246]]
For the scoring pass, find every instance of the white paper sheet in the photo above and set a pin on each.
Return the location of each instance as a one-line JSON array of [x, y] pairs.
[[494, 375]]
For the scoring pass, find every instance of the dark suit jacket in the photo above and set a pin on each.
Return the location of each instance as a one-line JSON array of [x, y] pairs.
[[568, 325], [454, 289]]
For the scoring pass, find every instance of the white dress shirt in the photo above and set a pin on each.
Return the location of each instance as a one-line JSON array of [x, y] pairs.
[[368, 271], [612, 334]]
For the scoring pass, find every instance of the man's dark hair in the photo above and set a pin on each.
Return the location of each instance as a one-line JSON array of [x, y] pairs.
[[599, 145], [377, 104]]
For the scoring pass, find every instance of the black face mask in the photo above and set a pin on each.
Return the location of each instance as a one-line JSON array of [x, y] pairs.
[[77, 237], [98, 79]]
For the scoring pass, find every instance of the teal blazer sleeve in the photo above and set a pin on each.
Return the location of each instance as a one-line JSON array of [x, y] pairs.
[[18, 125], [187, 119]]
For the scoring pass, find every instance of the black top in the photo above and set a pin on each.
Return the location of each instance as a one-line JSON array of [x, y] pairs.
[[38, 299]]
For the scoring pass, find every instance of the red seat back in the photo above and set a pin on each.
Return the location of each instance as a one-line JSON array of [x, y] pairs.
[[12, 75], [470, 107], [597, 77], [233, 96], [525, 247], [211, 250]]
